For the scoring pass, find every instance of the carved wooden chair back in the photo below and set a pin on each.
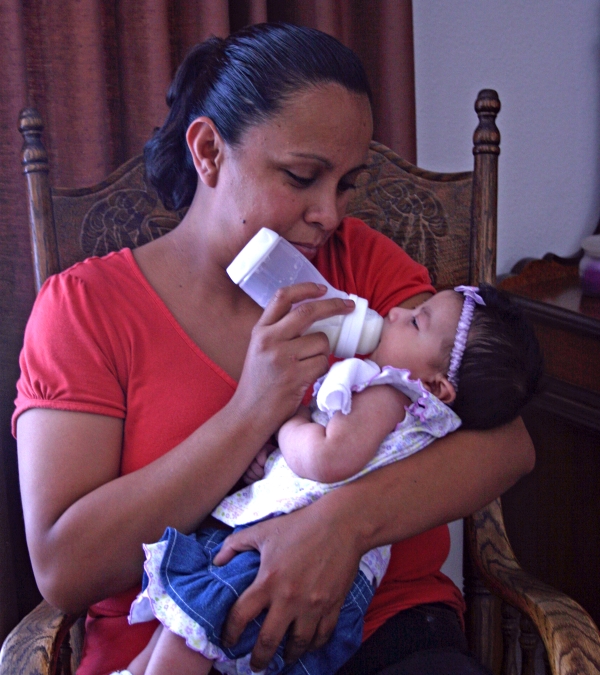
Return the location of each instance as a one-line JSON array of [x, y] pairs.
[[445, 221]]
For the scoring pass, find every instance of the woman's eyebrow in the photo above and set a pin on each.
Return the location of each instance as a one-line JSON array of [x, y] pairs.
[[325, 162], [309, 155]]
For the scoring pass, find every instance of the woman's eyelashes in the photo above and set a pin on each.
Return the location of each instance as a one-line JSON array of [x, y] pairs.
[[344, 186], [414, 322], [300, 181], [307, 181]]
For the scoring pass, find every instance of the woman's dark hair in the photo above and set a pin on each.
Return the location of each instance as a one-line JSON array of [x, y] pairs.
[[237, 82], [501, 366]]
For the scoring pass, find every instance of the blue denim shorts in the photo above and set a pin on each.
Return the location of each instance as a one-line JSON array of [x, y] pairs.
[[206, 593]]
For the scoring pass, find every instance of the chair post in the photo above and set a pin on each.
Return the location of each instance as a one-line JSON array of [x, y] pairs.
[[44, 246], [482, 623], [484, 217]]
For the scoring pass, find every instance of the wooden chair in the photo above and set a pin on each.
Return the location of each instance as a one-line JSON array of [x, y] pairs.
[[447, 222]]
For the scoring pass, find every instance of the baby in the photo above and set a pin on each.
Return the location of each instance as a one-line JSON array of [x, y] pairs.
[[463, 357]]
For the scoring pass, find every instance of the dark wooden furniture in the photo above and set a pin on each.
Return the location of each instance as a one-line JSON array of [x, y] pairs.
[[446, 221], [553, 515]]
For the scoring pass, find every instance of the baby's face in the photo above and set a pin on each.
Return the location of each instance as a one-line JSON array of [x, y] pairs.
[[420, 339]]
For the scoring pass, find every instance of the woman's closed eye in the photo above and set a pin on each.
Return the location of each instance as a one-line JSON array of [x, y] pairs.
[[301, 181], [344, 186], [414, 322]]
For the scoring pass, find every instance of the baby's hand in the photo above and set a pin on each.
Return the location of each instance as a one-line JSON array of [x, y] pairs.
[[256, 470], [304, 412]]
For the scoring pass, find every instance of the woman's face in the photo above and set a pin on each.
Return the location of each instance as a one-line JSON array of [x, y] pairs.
[[295, 172]]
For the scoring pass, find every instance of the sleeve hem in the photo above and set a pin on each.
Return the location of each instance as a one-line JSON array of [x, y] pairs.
[[69, 406]]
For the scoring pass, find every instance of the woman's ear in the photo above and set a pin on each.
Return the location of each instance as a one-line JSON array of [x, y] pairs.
[[206, 146], [441, 387]]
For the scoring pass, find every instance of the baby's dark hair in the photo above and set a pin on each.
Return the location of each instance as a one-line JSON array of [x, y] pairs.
[[502, 364], [238, 82]]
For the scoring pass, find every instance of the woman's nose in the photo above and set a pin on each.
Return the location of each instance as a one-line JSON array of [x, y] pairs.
[[327, 211]]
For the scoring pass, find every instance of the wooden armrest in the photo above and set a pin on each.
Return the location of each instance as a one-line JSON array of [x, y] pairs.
[[33, 646], [570, 636]]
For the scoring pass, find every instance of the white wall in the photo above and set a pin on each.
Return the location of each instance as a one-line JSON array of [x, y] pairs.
[[543, 58]]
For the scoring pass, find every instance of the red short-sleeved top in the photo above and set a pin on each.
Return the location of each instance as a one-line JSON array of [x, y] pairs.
[[100, 340]]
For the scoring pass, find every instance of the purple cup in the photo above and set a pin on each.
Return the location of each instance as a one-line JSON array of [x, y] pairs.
[[589, 266]]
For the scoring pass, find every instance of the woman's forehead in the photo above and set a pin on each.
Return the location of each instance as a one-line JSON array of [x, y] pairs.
[[322, 114]]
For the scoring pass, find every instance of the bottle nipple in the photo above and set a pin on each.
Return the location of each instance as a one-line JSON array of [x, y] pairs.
[[371, 333], [361, 330]]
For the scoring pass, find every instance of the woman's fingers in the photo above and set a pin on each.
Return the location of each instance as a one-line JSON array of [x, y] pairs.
[[306, 570], [289, 303], [310, 633], [281, 362]]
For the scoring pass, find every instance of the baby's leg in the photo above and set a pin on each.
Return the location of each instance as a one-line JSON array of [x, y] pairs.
[[140, 663], [172, 655]]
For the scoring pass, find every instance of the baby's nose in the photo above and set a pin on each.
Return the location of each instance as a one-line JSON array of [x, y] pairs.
[[395, 313]]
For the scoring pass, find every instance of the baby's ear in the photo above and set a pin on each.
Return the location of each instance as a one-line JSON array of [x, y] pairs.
[[441, 387]]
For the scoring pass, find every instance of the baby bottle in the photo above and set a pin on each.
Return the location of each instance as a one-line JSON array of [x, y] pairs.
[[269, 262]]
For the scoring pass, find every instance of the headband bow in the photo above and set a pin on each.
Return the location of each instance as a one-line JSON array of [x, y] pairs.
[[472, 298]]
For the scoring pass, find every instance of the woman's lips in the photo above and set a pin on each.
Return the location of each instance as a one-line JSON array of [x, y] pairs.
[[307, 250]]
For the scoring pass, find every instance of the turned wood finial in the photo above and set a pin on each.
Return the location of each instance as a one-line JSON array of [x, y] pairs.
[[486, 138], [35, 157]]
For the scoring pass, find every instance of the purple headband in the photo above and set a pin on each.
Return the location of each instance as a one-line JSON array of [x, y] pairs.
[[462, 331]]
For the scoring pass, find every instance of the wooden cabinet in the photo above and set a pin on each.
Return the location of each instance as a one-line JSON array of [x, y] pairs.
[[553, 515]]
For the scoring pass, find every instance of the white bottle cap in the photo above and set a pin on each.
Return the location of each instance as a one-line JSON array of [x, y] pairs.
[[253, 253], [351, 329]]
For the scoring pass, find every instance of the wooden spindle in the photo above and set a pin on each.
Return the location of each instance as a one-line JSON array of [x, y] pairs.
[[510, 637], [480, 619], [44, 248], [65, 656], [484, 219], [529, 641]]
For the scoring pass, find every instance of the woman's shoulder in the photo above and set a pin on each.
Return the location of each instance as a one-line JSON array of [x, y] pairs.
[[98, 268], [105, 277]]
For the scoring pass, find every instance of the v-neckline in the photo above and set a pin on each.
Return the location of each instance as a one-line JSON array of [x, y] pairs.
[[160, 303]]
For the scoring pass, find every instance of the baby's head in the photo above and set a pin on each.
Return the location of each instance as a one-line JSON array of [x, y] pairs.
[[499, 370]]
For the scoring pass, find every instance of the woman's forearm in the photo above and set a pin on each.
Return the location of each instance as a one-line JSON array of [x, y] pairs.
[[86, 524], [449, 479]]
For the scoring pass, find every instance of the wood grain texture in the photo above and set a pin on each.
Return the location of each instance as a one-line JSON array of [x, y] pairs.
[[571, 638], [41, 214], [33, 646], [486, 148], [510, 637]]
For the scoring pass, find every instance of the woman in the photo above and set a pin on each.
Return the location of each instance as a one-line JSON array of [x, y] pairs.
[[150, 381]]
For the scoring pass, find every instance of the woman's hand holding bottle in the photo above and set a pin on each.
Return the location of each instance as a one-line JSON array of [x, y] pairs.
[[282, 362]]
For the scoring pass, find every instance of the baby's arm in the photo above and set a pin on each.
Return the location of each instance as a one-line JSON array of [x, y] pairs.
[[342, 448]]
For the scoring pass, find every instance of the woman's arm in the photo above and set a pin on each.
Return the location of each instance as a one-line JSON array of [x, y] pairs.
[[85, 523], [309, 558], [342, 448]]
